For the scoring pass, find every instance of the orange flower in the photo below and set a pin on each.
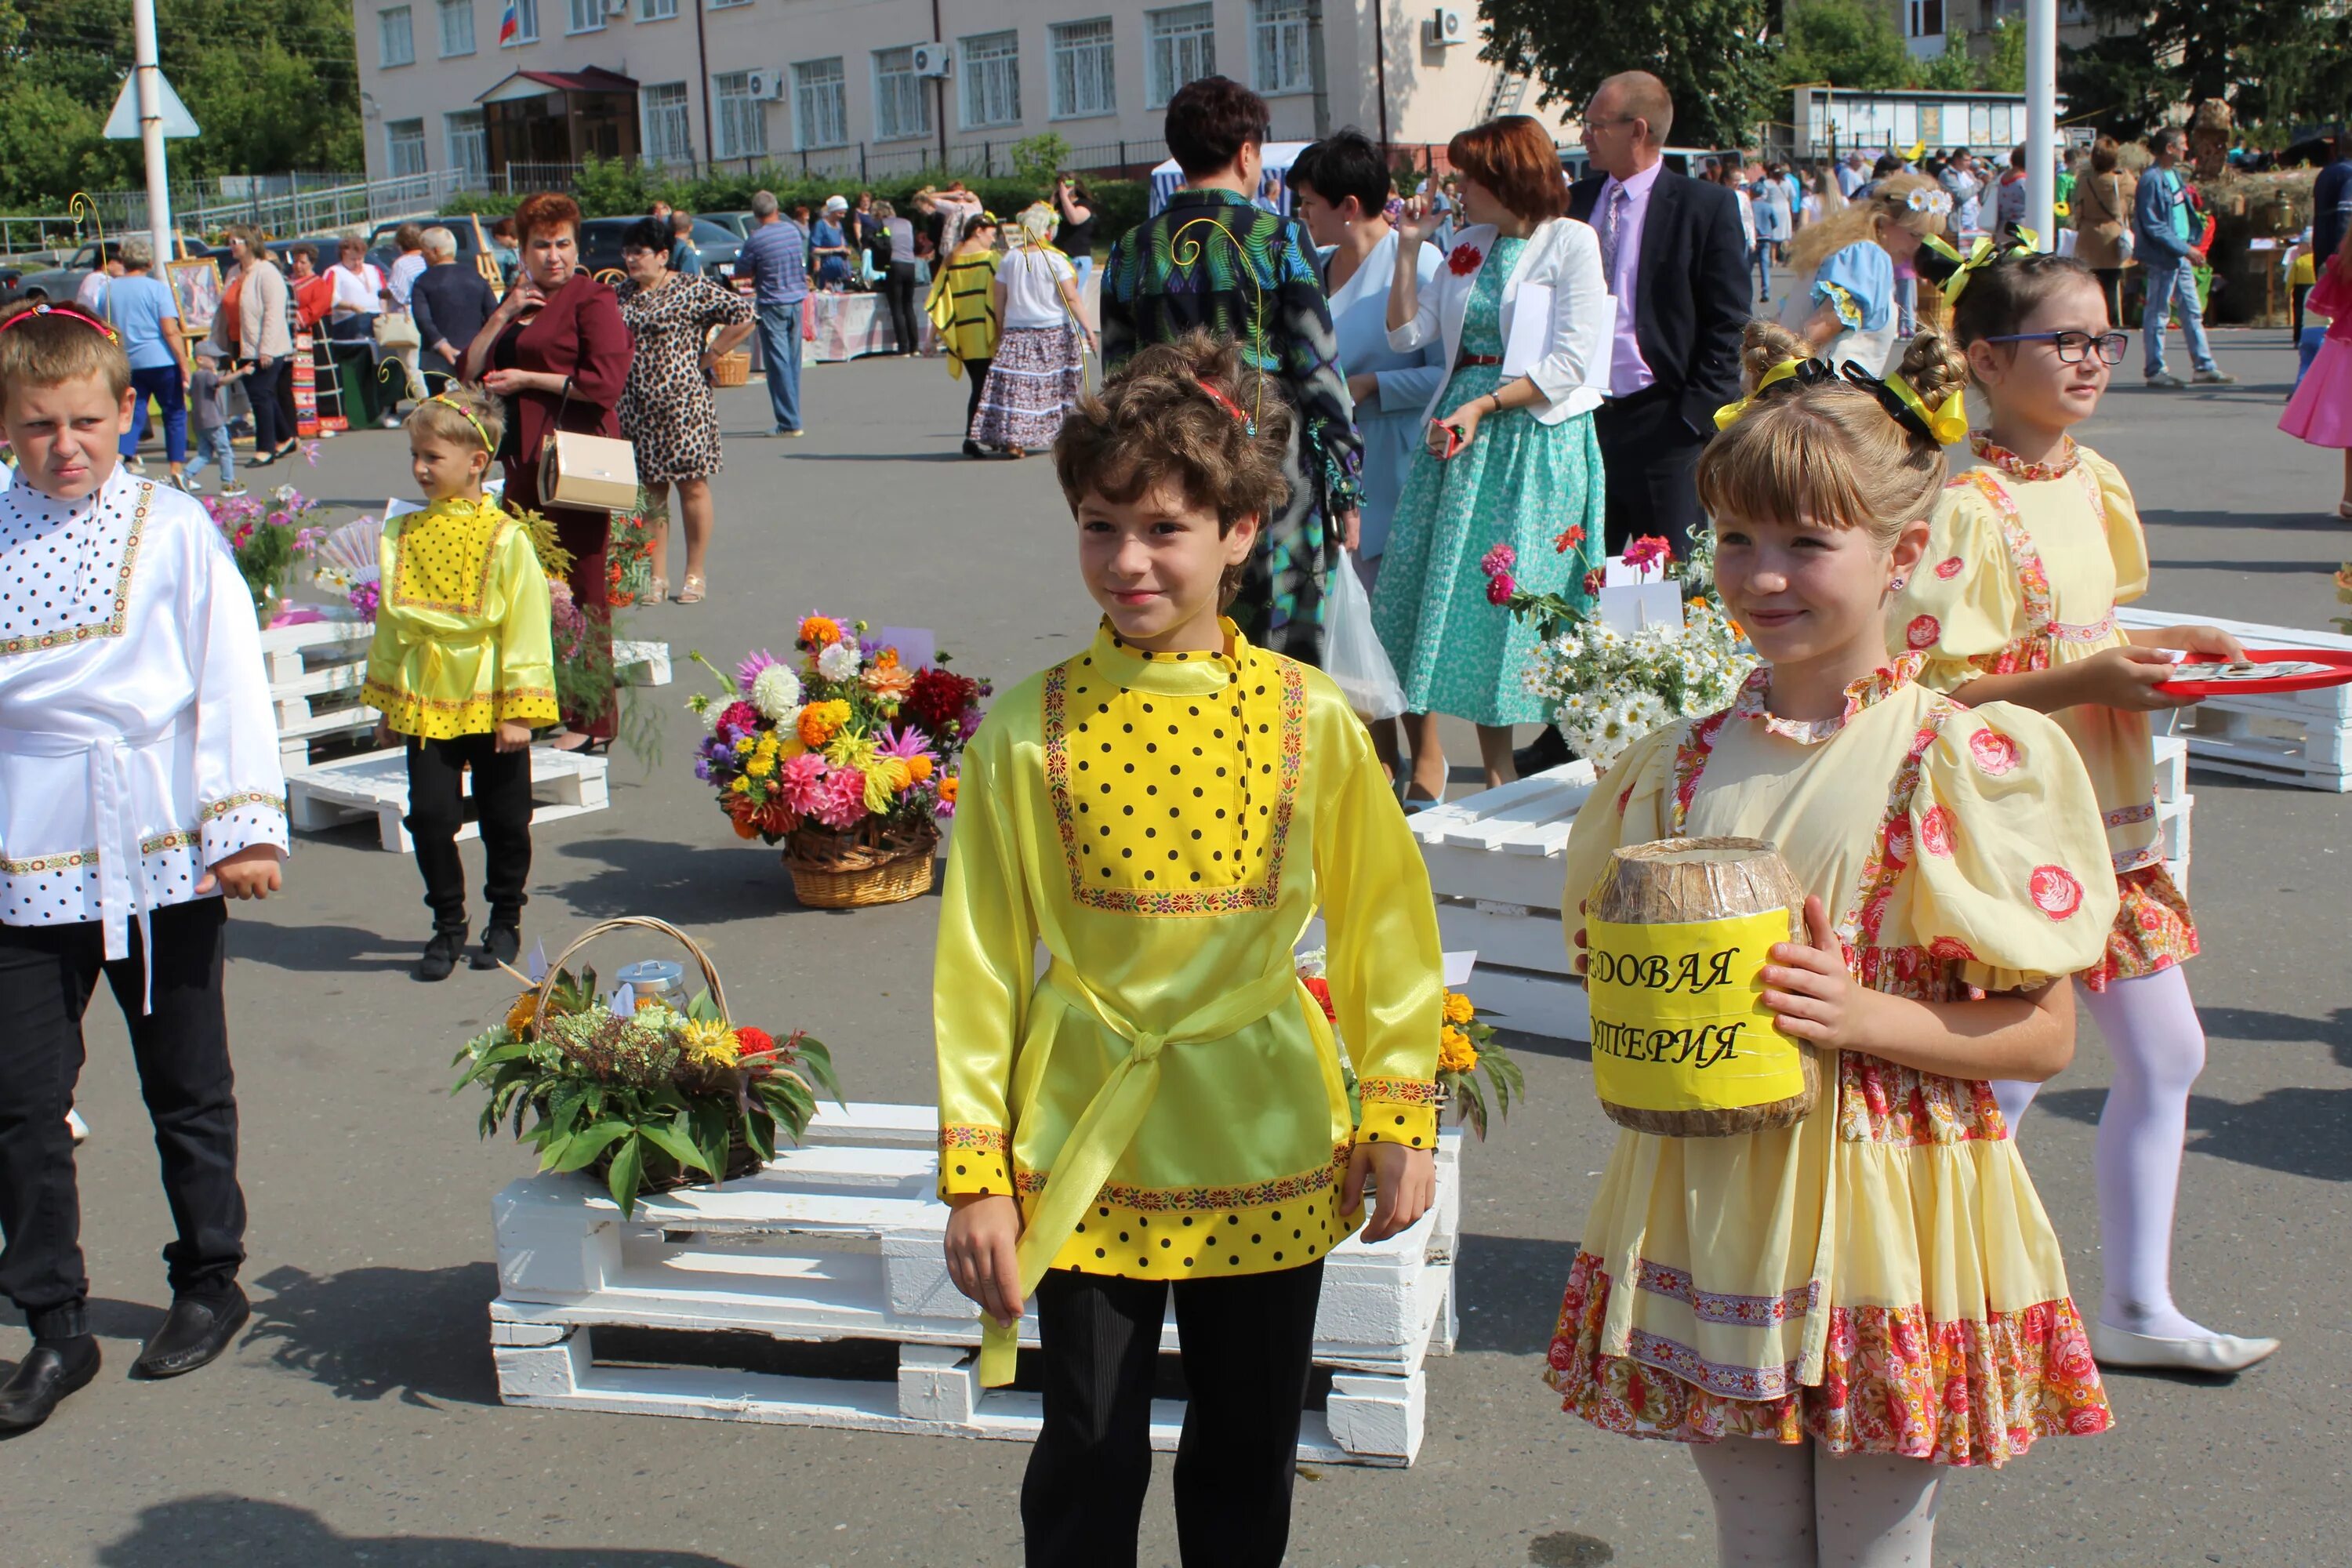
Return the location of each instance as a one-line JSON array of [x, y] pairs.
[[887, 678], [948, 789], [743, 829], [821, 721], [820, 631], [918, 768]]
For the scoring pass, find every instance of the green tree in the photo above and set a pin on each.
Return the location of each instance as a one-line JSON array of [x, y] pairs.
[[1723, 80], [1951, 71], [2003, 69], [1850, 42], [2268, 59]]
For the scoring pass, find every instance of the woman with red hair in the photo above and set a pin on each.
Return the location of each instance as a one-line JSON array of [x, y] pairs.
[[1506, 490], [558, 351]]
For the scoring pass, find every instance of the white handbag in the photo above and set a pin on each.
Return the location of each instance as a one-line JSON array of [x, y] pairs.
[[596, 472]]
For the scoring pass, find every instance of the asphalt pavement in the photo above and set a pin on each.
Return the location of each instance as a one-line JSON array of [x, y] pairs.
[[357, 1421]]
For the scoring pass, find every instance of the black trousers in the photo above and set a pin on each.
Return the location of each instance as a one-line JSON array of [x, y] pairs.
[[436, 810], [262, 389], [898, 293], [1649, 459], [47, 974], [1247, 1343], [976, 371]]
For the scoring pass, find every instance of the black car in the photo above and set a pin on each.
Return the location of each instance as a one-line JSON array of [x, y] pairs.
[[600, 245], [462, 227]]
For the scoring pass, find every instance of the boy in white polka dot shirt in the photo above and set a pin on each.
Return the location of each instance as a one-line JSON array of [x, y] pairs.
[[138, 782]]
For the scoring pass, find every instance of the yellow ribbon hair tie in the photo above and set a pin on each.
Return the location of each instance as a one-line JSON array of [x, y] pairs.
[[1729, 413], [479, 429], [1946, 422], [1984, 253]]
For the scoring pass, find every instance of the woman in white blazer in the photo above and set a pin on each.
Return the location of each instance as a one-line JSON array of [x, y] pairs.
[[1523, 316]]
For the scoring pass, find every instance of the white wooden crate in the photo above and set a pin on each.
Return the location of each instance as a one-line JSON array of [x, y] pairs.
[[315, 671], [2301, 738], [375, 783], [636, 663], [841, 1239], [2173, 806], [1496, 864]]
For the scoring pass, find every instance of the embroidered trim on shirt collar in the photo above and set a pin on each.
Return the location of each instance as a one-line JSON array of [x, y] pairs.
[[1860, 694], [117, 601], [2017, 467], [1194, 656]]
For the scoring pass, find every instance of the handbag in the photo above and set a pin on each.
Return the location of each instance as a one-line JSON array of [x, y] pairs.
[[397, 330], [593, 471], [1353, 656], [2126, 239]]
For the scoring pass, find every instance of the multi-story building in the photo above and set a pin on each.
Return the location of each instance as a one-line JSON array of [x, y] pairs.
[[874, 87], [1931, 26]]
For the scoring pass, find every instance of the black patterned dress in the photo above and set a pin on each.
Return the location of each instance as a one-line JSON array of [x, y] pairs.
[[665, 408]]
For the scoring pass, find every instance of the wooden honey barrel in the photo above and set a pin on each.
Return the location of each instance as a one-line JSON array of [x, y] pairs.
[[1682, 1046]]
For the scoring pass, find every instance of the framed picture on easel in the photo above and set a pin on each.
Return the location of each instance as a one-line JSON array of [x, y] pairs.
[[197, 288]]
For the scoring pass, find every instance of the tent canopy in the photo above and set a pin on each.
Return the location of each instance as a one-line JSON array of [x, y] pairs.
[[1273, 188]]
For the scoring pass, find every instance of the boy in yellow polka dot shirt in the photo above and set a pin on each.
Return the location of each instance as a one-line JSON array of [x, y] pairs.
[[1164, 812]]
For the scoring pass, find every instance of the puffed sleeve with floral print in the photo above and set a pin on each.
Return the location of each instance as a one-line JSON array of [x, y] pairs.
[[1962, 604], [2006, 852]]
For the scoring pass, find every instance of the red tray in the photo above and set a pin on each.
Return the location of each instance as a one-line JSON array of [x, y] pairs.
[[2337, 673]]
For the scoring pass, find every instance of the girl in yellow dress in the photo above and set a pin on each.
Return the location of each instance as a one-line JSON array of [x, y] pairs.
[[2031, 553], [462, 667], [1830, 1313], [1162, 812]]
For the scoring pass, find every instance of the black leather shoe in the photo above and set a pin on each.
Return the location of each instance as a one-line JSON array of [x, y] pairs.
[[441, 955], [1546, 751], [500, 944], [196, 1331], [50, 1371]]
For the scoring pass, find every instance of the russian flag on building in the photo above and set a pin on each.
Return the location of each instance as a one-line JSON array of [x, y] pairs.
[[509, 25]]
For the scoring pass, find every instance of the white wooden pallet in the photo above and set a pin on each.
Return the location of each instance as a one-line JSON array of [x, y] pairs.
[[638, 663], [841, 1239], [375, 783], [1496, 864], [2301, 738], [315, 674]]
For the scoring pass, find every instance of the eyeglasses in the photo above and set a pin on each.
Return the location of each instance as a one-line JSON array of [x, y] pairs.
[[2075, 347]]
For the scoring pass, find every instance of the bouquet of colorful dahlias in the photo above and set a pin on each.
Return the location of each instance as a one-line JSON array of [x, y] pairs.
[[845, 755]]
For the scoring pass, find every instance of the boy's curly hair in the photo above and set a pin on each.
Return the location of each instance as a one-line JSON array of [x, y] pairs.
[[1159, 422]]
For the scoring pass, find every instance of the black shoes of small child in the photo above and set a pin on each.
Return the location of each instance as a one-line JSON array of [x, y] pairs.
[[193, 1334], [50, 1371], [441, 954], [501, 943]]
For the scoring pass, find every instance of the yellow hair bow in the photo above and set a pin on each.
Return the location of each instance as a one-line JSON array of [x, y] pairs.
[[1946, 422], [1786, 370], [1984, 253]]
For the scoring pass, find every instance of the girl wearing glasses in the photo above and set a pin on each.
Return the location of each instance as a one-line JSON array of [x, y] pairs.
[[2014, 602]]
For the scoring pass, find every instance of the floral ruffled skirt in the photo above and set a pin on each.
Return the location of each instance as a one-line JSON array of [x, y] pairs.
[[2153, 931]]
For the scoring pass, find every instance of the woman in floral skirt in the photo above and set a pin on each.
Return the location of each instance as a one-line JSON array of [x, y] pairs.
[[1511, 476]]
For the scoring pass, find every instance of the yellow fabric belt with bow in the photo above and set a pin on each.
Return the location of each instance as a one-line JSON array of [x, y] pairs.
[[1110, 1123]]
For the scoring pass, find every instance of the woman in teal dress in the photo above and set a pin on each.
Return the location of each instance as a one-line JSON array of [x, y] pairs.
[[1522, 311]]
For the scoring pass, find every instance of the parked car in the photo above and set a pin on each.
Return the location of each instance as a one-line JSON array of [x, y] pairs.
[[471, 240], [736, 223], [600, 245], [59, 283]]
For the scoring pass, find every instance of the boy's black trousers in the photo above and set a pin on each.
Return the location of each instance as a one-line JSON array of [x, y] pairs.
[[436, 810], [47, 974], [1247, 1343]]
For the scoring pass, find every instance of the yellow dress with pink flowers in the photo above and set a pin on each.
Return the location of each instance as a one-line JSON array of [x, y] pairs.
[[1880, 1277], [2024, 568]]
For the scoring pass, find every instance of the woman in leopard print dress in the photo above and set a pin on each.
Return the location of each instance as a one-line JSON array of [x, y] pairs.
[[667, 410]]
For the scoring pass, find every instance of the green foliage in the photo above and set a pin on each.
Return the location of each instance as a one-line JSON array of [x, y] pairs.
[[1850, 42], [1038, 159], [2269, 60], [613, 187], [1722, 81], [1951, 71], [2003, 71]]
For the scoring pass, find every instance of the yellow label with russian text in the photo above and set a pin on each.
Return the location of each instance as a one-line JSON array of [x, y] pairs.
[[1678, 1019]]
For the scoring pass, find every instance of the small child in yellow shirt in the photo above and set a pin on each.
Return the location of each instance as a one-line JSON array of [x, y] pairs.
[[462, 667]]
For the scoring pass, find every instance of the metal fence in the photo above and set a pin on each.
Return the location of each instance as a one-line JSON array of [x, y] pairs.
[[278, 204]]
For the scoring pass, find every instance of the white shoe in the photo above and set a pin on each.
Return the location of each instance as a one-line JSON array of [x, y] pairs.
[[2112, 1346], [74, 1124]]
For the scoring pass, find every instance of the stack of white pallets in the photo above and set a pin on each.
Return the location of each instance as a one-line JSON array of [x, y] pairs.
[[315, 673], [375, 784], [2302, 738], [1496, 862], [841, 1239]]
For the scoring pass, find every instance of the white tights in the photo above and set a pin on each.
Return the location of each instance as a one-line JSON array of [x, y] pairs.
[[2159, 1048], [1791, 1505]]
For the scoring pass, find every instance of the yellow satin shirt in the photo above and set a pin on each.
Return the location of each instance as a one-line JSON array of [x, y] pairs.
[[462, 636], [1165, 825]]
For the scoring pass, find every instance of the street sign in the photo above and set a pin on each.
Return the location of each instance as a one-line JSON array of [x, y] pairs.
[[122, 125]]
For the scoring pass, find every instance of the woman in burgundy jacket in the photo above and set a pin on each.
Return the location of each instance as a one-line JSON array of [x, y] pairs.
[[556, 349]]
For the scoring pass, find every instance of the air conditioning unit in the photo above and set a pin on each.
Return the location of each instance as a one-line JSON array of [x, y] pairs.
[[1449, 25], [934, 59], [765, 84]]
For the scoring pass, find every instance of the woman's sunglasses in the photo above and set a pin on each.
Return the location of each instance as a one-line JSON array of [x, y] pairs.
[[2075, 347]]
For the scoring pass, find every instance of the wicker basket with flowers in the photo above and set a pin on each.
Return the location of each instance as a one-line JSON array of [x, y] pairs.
[[1466, 1053]]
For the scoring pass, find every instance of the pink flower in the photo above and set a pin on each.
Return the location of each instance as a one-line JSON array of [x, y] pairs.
[[1647, 552], [1498, 560], [800, 782], [2054, 892], [1500, 588], [906, 742], [739, 718], [841, 798], [749, 670]]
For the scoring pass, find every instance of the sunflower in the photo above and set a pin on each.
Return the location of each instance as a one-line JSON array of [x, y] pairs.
[[519, 1016]]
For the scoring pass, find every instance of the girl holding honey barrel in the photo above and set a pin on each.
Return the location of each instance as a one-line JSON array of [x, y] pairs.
[[2030, 554], [1837, 1293]]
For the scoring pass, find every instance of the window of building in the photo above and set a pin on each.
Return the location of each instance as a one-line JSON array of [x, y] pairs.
[[991, 79], [395, 42], [469, 148], [1181, 46], [1280, 48], [1925, 18], [902, 100], [525, 23], [1082, 69], [669, 134], [820, 104], [403, 147], [656, 10], [456, 28], [587, 17], [724, 5], [742, 128]]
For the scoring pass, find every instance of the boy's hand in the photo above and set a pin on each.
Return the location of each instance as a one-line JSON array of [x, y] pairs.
[[383, 735], [1406, 1183], [981, 1235], [1807, 983], [250, 873], [512, 736]]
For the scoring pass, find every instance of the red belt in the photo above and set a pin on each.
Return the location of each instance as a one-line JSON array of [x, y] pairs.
[[1463, 361]]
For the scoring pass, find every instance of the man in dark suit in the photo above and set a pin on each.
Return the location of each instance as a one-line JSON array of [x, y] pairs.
[[1676, 263]]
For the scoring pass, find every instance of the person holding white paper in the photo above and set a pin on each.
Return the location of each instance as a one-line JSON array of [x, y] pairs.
[[1507, 489]]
